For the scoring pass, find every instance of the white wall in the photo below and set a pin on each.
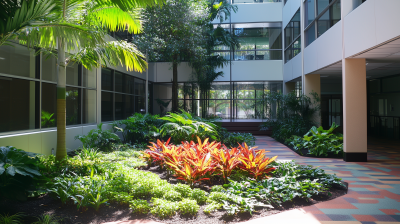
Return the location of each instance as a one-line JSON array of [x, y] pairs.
[[325, 50], [162, 72], [292, 69], [268, 70], [227, 73], [289, 10], [258, 12], [372, 23]]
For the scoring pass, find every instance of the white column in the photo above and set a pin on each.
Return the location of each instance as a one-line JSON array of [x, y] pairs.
[[354, 110]]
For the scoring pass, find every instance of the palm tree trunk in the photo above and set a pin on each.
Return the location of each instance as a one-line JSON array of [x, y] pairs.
[[61, 102], [175, 84]]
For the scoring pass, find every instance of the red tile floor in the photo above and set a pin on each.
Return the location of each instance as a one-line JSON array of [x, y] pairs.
[[374, 187]]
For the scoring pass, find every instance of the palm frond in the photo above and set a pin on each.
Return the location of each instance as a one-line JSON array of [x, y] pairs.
[[113, 53], [127, 5], [115, 19]]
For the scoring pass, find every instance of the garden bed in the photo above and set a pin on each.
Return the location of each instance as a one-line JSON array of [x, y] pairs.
[[69, 215], [304, 152]]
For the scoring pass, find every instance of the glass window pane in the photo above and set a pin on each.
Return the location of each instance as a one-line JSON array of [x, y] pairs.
[[119, 106], [297, 47], [119, 82], [107, 106], [244, 55], [244, 109], [323, 23], [140, 87], [73, 101], [224, 54], [17, 60], [129, 84], [220, 90], [49, 105], [73, 75], [49, 68], [140, 104], [309, 11], [18, 103], [89, 106], [107, 79], [335, 13], [220, 108], [310, 35], [162, 91], [89, 77], [322, 4]]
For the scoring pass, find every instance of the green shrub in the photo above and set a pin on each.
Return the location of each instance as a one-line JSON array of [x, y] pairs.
[[159, 191], [232, 139], [139, 128], [319, 141], [11, 219], [183, 189], [188, 207], [185, 127], [212, 207], [218, 197], [172, 196], [199, 195], [47, 219], [97, 138], [139, 206], [17, 172], [217, 188], [290, 114], [121, 197], [163, 208]]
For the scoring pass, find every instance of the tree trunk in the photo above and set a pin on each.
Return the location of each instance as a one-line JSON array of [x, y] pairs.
[[61, 102], [175, 84]]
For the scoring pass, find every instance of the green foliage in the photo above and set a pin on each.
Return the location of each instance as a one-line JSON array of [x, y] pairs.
[[17, 170], [188, 207], [172, 196], [218, 197], [217, 188], [232, 139], [183, 189], [212, 207], [97, 138], [11, 219], [296, 142], [139, 128], [294, 115], [140, 206], [319, 141], [199, 195], [164, 209], [90, 154], [121, 197], [184, 127], [47, 219], [47, 119]]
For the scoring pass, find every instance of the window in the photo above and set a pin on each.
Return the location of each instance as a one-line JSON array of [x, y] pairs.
[[258, 41], [320, 16], [29, 91], [256, 1], [293, 37], [121, 95]]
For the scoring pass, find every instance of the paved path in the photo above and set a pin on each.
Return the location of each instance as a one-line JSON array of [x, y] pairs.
[[374, 188]]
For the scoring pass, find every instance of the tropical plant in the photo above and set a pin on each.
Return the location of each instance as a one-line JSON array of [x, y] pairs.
[[11, 219], [17, 172], [226, 161], [139, 128], [163, 208], [99, 138], [290, 114], [255, 162], [47, 119], [188, 207], [79, 26], [140, 206], [319, 141], [184, 127], [47, 219], [233, 139]]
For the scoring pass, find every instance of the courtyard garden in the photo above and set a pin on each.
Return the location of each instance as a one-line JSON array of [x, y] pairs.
[[176, 168]]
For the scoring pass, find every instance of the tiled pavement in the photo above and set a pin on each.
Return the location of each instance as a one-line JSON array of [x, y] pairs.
[[374, 187]]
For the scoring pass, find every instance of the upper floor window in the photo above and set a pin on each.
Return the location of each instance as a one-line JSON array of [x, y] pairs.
[[320, 16], [293, 37], [255, 1], [258, 41]]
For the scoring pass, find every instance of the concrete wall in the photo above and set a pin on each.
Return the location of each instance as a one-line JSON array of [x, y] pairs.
[[162, 72], [292, 69], [257, 70], [324, 51], [370, 24], [258, 12]]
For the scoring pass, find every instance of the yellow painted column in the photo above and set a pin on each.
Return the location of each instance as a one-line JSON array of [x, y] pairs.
[[289, 87], [354, 110], [312, 83]]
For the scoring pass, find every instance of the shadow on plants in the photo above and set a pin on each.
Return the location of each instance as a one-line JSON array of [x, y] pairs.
[[99, 138]]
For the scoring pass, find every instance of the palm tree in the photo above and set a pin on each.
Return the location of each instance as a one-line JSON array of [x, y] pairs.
[[78, 26]]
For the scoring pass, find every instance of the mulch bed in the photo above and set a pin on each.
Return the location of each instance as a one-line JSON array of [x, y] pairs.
[[114, 212], [304, 152]]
